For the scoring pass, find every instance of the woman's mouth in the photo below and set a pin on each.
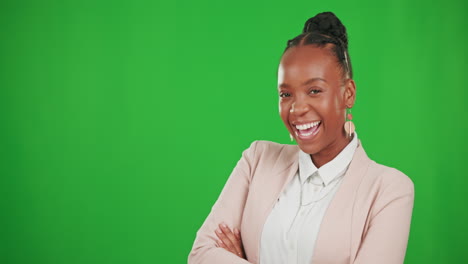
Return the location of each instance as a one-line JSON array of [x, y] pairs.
[[307, 130]]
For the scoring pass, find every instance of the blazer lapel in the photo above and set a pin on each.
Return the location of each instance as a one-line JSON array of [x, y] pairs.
[[282, 172], [334, 242]]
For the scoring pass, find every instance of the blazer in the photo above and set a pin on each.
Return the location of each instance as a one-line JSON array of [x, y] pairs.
[[367, 221]]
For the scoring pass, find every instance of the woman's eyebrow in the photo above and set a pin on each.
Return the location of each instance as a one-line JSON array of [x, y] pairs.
[[284, 85], [313, 80]]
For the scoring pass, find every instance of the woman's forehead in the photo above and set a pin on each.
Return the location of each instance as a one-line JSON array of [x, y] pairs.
[[301, 63]]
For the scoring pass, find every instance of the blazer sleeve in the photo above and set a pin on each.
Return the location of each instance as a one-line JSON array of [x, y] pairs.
[[386, 238], [228, 208]]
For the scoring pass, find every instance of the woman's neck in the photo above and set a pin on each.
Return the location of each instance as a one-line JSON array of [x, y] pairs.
[[330, 152]]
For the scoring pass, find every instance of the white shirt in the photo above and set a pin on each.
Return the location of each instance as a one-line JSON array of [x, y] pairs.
[[292, 226]]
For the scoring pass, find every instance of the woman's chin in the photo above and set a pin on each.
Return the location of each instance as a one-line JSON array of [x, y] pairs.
[[309, 149]]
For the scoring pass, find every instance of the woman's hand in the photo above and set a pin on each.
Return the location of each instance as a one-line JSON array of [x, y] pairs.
[[231, 241]]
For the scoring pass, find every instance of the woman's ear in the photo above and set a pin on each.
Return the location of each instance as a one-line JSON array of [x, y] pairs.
[[350, 93]]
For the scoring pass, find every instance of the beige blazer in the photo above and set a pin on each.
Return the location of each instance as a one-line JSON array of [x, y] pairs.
[[367, 222]]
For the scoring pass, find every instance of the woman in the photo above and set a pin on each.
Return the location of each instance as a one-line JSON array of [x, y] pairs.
[[322, 200]]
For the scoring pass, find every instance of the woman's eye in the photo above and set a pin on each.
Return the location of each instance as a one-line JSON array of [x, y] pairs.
[[285, 94], [315, 91]]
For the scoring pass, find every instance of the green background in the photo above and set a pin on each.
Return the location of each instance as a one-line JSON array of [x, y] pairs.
[[121, 120]]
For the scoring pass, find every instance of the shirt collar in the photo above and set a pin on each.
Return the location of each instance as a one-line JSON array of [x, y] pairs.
[[332, 169]]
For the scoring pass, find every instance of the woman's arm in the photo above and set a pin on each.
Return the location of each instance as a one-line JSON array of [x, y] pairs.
[[230, 240], [227, 209], [386, 238]]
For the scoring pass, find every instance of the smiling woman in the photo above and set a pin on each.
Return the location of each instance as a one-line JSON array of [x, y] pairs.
[[319, 101], [322, 200]]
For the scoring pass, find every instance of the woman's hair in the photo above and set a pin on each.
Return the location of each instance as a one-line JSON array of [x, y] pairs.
[[322, 29]]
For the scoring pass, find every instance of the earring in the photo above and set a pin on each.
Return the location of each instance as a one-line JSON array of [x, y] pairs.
[[291, 137], [349, 125]]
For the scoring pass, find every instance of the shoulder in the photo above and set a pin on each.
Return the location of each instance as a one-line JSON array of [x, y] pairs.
[[388, 180], [383, 190], [263, 154], [270, 146], [267, 150]]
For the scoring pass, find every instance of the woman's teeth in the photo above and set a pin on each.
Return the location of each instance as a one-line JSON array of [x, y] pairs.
[[307, 126], [306, 131]]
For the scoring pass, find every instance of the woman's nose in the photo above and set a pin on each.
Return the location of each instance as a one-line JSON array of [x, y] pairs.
[[299, 108]]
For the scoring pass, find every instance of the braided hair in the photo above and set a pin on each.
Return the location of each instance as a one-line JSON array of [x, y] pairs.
[[322, 29]]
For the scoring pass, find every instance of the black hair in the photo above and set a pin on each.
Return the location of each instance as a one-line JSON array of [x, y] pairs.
[[322, 29]]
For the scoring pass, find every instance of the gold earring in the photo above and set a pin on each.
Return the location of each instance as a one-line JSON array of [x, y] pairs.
[[349, 126]]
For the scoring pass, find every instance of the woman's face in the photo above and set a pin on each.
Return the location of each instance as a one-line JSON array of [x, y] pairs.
[[313, 99]]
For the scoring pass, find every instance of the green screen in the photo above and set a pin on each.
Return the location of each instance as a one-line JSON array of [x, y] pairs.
[[122, 120]]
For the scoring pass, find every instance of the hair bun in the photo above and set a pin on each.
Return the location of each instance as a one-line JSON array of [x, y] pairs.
[[327, 23]]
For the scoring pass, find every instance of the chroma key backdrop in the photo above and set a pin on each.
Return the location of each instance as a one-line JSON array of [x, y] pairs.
[[122, 120]]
